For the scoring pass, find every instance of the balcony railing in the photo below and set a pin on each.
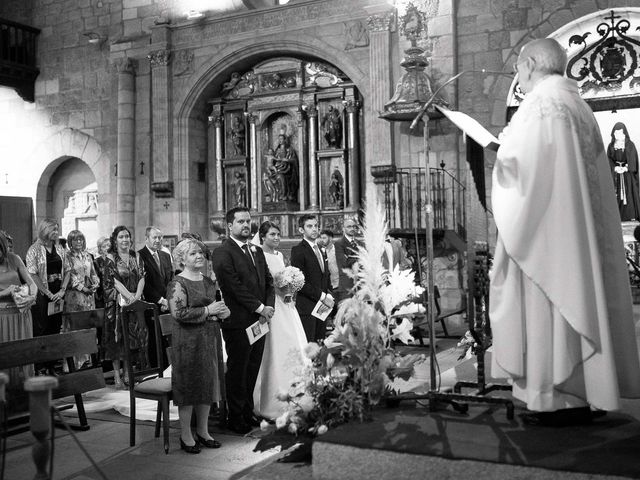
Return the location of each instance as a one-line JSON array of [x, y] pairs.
[[18, 57], [404, 196]]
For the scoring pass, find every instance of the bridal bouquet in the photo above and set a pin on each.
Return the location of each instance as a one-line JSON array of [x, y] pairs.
[[289, 281]]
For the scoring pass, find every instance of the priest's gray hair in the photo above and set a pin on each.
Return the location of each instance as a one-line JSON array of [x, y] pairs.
[[182, 249], [548, 55]]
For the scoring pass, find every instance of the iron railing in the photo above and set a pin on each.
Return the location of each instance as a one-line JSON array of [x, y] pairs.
[[404, 198]]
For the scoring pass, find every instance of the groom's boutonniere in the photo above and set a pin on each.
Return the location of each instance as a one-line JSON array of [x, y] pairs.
[[253, 249]]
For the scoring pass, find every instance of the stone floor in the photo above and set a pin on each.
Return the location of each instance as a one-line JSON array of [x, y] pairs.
[[107, 442]]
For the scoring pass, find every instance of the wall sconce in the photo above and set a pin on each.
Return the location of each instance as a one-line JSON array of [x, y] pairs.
[[141, 168], [194, 15], [94, 38]]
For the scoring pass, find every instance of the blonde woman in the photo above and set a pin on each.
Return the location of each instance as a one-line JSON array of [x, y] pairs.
[[194, 375]]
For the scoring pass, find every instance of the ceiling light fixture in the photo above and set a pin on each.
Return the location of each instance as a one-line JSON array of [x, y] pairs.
[[194, 15]]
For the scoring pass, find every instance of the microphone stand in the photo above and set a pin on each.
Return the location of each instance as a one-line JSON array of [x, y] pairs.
[[457, 400]]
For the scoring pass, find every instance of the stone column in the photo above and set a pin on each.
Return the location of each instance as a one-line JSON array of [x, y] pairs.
[[379, 148], [353, 200], [125, 163], [161, 122], [219, 179], [302, 188], [254, 163], [313, 161]]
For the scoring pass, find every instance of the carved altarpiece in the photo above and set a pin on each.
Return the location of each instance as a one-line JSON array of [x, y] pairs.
[[286, 141]]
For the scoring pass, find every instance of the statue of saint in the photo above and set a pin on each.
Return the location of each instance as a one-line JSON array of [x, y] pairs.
[[237, 135], [332, 127], [240, 189], [285, 162], [336, 188]]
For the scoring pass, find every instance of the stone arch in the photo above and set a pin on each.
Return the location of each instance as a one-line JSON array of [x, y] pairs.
[[60, 147], [233, 57]]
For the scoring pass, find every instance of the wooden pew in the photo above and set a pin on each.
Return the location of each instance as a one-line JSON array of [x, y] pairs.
[[49, 348]]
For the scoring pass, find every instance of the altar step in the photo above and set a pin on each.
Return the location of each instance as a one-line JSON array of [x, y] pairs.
[[410, 443]]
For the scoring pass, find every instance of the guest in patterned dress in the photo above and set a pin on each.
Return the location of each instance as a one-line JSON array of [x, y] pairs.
[[123, 276], [15, 316], [83, 279], [45, 264], [98, 262], [194, 378]]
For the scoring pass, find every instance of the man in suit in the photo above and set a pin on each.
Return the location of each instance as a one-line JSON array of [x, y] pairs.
[[158, 272], [346, 248], [247, 288], [308, 257]]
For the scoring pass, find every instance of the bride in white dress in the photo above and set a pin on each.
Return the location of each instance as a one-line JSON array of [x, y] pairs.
[[284, 345]]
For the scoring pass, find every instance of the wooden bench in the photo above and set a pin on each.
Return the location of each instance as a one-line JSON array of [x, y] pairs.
[[49, 348]]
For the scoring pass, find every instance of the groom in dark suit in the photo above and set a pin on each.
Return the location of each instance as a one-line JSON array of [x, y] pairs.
[[158, 272], [247, 288], [308, 257]]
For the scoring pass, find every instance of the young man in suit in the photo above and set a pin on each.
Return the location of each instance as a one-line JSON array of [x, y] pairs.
[[346, 248], [247, 289], [308, 257], [158, 272]]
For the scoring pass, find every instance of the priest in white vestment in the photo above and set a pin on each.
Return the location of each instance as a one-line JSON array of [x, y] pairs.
[[560, 300]]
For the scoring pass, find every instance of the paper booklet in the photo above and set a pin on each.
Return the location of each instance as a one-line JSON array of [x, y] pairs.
[[256, 331], [55, 307], [321, 311], [471, 127]]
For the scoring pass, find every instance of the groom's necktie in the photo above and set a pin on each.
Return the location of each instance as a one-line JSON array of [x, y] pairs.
[[319, 256], [245, 249]]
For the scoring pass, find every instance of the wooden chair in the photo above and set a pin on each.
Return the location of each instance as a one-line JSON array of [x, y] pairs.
[[145, 381], [441, 315], [166, 321], [82, 320], [49, 348], [422, 321]]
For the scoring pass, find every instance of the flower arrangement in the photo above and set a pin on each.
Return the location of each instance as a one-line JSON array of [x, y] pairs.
[[289, 281], [356, 365]]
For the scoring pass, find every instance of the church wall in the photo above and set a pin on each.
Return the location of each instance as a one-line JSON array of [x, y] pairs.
[[78, 86]]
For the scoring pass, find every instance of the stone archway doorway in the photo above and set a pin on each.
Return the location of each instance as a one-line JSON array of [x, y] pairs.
[[72, 198]]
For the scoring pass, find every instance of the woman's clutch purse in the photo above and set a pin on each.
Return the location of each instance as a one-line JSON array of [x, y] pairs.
[[19, 295]]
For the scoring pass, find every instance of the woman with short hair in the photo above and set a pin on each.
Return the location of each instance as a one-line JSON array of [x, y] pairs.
[[83, 279], [194, 343]]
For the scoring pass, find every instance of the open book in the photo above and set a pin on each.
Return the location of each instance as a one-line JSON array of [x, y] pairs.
[[471, 127]]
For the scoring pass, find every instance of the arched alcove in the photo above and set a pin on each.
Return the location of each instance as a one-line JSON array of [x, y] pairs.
[[74, 154], [194, 137]]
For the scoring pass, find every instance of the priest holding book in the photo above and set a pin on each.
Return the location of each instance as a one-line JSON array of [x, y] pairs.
[[560, 310]]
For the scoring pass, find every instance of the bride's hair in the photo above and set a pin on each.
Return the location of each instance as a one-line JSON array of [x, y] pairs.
[[264, 229]]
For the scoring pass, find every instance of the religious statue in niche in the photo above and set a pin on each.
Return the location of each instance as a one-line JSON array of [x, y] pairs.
[[237, 134], [280, 178], [240, 189], [336, 188], [332, 127]]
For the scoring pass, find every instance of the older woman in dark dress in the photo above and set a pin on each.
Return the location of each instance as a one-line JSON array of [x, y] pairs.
[[194, 377]]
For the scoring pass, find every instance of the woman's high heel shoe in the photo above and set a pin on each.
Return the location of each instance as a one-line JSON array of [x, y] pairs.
[[189, 448], [213, 443]]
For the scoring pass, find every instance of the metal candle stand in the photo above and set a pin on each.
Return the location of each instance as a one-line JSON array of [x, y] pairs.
[[480, 330]]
